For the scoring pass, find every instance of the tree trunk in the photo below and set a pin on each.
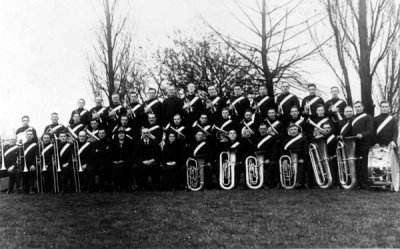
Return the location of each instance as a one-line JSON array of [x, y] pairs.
[[267, 75], [365, 57], [110, 69]]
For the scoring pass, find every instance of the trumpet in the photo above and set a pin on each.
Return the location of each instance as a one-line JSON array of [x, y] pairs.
[[320, 163], [255, 170], [195, 172], [288, 168], [227, 163], [346, 160]]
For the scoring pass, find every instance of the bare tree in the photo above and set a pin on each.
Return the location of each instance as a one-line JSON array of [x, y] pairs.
[[113, 63], [278, 54]]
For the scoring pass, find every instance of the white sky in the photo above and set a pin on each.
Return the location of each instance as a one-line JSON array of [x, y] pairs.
[[45, 43]]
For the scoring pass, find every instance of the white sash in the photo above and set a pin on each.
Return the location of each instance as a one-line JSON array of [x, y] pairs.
[[83, 112], [274, 124], [247, 125], [117, 108], [128, 136], [194, 124], [292, 141], [206, 127], [28, 129], [29, 148], [215, 100], [298, 122], [193, 101], [383, 124], [55, 128], [64, 149], [77, 127], [337, 103], [95, 132], [167, 126], [198, 148], [322, 122], [72, 132], [101, 111], [46, 149], [313, 101], [115, 128], [285, 100], [358, 118], [11, 150], [235, 145], [237, 100], [152, 103], [344, 128], [263, 100], [136, 107], [265, 139], [226, 123], [128, 129], [330, 138], [153, 128], [83, 148], [181, 129]]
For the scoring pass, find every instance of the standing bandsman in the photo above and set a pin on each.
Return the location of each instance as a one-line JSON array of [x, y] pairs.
[[114, 112], [21, 132], [335, 106], [193, 106], [98, 112], [295, 118], [262, 103], [47, 156], [238, 104], [85, 154], [171, 106], [31, 151], [248, 123], [315, 123], [286, 101], [102, 159], [274, 125], [156, 132], [135, 113], [344, 126], [65, 151], [76, 126], [94, 127], [362, 126], [214, 104], [311, 102], [180, 131], [202, 125], [83, 113], [386, 126], [54, 128], [153, 105], [13, 169]]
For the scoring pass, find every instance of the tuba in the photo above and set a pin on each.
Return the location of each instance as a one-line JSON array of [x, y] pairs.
[[195, 172], [255, 170], [320, 163], [345, 151], [383, 168], [288, 168], [227, 162]]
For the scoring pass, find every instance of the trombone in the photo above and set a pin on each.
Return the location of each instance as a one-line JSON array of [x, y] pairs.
[[56, 166], [39, 170], [76, 166]]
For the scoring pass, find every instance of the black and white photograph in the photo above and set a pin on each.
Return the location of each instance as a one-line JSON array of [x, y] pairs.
[[199, 124]]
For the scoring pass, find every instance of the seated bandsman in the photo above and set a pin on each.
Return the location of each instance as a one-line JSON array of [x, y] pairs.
[[114, 112], [11, 152], [386, 127], [31, 151], [86, 154], [362, 127], [238, 104], [335, 106], [65, 150], [262, 103], [314, 123], [310, 103], [266, 143], [147, 161], [121, 155], [176, 127], [153, 106], [285, 102], [47, 157], [172, 162], [54, 128], [156, 132], [344, 126], [193, 106], [21, 132], [214, 104], [200, 147], [274, 125], [98, 112], [221, 130], [82, 112], [76, 126], [248, 123], [297, 143], [102, 159], [123, 124], [295, 118], [202, 125]]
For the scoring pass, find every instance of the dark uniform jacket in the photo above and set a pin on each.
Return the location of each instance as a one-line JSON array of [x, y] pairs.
[[57, 128], [240, 104], [264, 103], [83, 113], [285, 101], [338, 103], [170, 106], [363, 124], [386, 129], [156, 108], [313, 101]]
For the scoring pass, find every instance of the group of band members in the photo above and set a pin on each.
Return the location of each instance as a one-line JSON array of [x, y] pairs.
[[143, 146]]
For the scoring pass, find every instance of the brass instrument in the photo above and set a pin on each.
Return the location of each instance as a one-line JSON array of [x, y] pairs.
[[56, 166], [307, 108], [195, 172], [178, 132], [271, 127], [288, 168], [338, 116], [76, 166], [90, 135], [345, 152], [202, 129], [221, 134], [23, 158], [187, 106], [227, 163], [383, 168], [3, 162], [320, 162], [318, 131], [39, 170], [255, 170]]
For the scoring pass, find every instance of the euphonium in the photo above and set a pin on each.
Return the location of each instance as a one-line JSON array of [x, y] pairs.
[[320, 163], [195, 173], [227, 161], [255, 170], [288, 168], [346, 160]]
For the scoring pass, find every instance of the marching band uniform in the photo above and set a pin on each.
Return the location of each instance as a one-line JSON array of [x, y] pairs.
[[319, 121], [263, 104], [56, 128], [86, 157], [14, 170], [235, 145], [173, 163], [362, 123], [99, 111], [266, 143], [248, 124], [344, 127], [213, 107], [335, 103], [193, 107], [113, 120], [83, 113], [312, 101], [75, 128], [331, 143], [47, 161], [65, 151], [171, 105], [239, 106], [198, 125], [386, 129], [179, 130], [285, 101], [136, 117], [299, 121], [155, 131], [154, 106], [22, 131], [202, 148], [31, 151]]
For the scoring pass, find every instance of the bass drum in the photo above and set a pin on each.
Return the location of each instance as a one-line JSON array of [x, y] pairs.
[[383, 168]]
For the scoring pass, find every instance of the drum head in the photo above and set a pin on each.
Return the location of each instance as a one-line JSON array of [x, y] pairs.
[[394, 164], [4, 183]]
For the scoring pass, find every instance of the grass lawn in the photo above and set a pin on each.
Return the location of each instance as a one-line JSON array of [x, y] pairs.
[[210, 219]]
